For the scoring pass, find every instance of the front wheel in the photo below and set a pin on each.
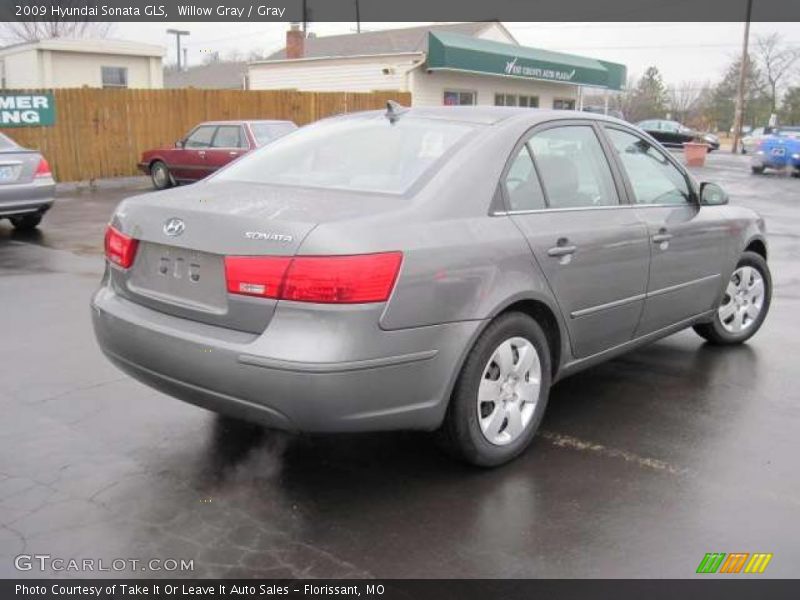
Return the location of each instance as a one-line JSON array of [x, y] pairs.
[[501, 393], [744, 305]]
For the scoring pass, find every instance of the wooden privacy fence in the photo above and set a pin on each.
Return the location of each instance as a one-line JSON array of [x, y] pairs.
[[102, 132]]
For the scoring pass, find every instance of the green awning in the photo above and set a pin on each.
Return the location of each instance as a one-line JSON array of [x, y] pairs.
[[454, 52]]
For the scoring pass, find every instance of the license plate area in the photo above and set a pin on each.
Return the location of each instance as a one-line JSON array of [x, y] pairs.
[[179, 276], [778, 151], [9, 173]]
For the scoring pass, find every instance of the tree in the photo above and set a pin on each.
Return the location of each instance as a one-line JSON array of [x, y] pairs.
[[645, 100], [683, 101], [722, 101], [790, 109], [34, 31], [775, 61]]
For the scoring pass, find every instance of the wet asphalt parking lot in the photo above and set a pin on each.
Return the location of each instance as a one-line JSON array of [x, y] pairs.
[[642, 466]]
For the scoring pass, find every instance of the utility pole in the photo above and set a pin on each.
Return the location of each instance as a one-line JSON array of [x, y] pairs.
[[739, 114], [178, 33], [358, 18]]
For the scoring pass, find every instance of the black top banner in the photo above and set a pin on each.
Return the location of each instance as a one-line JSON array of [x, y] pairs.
[[399, 10]]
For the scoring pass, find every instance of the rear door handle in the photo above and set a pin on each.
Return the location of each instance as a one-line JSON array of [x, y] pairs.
[[563, 248], [662, 237]]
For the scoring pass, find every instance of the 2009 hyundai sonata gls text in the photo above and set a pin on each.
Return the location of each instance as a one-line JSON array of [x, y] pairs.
[[433, 269]]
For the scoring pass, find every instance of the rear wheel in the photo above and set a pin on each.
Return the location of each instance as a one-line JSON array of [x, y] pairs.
[[26, 222], [744, 305], [757, 170], [159, 173], [501, 393]]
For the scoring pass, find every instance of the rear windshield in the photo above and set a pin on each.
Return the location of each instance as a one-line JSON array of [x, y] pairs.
[[266, 132], [7, 143], [788, 131], [365, 154]]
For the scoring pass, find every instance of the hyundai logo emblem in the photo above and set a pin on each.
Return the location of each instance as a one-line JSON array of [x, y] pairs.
[[174, 226]]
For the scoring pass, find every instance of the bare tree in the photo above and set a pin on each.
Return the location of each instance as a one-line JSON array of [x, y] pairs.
[[776, 60], [34, 31], [682, 100]]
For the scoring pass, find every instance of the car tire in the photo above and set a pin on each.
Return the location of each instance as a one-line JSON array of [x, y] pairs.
[[744, 283], [26, 222], [160, 175], [503, 350], [757, 170]]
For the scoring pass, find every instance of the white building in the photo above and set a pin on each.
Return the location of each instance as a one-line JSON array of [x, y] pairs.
[[461, 63], [69, 63]]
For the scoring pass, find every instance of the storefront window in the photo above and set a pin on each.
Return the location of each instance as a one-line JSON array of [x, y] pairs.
[[459, 98], [514, 100], [564, 104]]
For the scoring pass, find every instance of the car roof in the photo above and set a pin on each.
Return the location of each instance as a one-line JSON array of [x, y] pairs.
[[490, 115], [243, 121]]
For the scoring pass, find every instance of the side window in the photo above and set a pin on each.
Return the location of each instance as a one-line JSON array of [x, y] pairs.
[[200, 137], [522, 184], [574, 168], [228, 136], [655, 180]]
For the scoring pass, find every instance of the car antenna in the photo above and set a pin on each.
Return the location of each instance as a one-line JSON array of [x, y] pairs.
[[394, 110]]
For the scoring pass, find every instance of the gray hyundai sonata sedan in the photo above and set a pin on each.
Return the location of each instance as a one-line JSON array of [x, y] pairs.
[[433, 269]]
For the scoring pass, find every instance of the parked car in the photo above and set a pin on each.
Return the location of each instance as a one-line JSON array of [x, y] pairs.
[[27, 187], [208, 147], [426, 268], [751, 140], [601, 110], [672, 134], [780, 150]]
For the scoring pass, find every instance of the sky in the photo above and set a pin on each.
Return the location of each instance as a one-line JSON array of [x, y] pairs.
[[683, 52]]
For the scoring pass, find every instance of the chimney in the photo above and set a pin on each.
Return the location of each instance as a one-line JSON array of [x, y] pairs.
[[295, 42]]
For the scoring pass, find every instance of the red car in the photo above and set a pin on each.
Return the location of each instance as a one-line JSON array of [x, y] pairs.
[[208, 147]]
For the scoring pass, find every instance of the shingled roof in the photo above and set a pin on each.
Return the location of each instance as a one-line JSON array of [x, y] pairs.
[[220, 75], [387, 41]]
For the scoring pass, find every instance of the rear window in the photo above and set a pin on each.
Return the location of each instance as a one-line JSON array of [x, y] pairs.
[[7, 143], [266, 132], [788, 131], [353, 154]]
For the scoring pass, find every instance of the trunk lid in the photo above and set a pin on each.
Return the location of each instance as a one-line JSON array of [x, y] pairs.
[[18, 166], [185, 234]]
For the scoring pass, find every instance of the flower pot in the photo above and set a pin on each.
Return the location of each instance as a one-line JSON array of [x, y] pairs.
[[695, 153]]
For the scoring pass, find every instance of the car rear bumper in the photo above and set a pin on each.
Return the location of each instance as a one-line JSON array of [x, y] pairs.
[[775, 162], [24, 198], [404, 385]]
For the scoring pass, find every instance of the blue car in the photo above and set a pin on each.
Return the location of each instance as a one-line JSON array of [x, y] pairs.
[[779, 150]]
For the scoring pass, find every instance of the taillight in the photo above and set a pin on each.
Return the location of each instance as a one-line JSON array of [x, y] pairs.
[[43, 169], [256, 275], [120, 249], [325, 279]]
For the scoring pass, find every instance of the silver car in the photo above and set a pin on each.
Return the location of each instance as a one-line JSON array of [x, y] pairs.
[[27, 187], [429, 268]]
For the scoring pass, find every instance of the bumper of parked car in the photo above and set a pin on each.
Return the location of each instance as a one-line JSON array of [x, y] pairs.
[[284, 378], [765, 160], [26, 198]]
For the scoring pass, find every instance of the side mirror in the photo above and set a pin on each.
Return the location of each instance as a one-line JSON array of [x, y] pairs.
[[712, 195], [180, 143]]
